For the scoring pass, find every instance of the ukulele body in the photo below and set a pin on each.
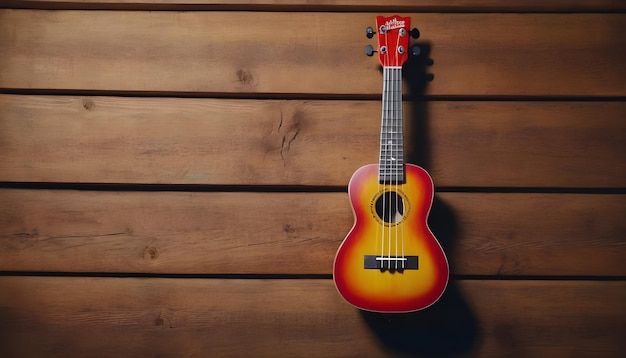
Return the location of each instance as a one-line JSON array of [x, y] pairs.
[[390, 261]]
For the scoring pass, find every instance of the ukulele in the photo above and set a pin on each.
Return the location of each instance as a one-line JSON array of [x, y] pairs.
[[390, 261]]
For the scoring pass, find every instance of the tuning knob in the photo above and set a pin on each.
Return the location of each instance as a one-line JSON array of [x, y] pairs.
[[416, 50], [415, 33], [369, 32], [369, 50]]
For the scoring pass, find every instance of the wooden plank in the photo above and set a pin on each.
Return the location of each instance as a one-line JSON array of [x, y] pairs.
[[106, 317], [336, 5], [536, 234], [271, 52], [172, 232], [190, 141], [277, 142], [539, 144], [298, 233]]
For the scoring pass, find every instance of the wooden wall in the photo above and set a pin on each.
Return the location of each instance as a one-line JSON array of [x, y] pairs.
[[173, 175]]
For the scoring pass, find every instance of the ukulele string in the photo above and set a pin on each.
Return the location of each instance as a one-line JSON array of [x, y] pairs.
[[397, 149], [389, 169], [382, 168], [401, 205], [389, 152], [388, 196], [397, 155], [393, 146], [393, 199], [387, 163]]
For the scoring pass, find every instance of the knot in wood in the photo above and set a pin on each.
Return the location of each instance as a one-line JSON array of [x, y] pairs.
[[244, 76], [88, 104], [150, 253]]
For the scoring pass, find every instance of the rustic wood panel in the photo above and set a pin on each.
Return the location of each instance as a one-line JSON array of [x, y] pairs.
[[294, 142], [106, 317], [554, 144], [466, 135], [351, 5], [298, 233], [272, 52]]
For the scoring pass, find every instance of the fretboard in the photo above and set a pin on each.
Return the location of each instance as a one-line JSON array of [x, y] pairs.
[[391, 160]]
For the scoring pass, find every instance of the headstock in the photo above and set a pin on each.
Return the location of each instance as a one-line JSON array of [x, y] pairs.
[[393, 40]]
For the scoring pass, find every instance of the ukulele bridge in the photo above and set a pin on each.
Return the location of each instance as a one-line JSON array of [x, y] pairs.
[[391, 263]]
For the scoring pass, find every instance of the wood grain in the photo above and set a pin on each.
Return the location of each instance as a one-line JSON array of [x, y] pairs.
[[537, 144], [298, 233], [129, 317], [293, 142], [272, 53], [336, 5], [526, 94]]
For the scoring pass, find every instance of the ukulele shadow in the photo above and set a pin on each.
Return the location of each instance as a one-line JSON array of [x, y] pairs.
[[448, 327]]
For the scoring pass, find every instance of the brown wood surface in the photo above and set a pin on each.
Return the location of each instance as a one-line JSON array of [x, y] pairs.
[[526, 94], [553, 144], [295, 142], [272, 52], [352, 5], [130, 317], [298, 233]]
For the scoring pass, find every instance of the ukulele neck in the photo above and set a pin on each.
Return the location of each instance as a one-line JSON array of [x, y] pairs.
[[391, 159]]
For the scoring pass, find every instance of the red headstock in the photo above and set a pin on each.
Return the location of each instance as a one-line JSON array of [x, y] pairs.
[[393, 39]]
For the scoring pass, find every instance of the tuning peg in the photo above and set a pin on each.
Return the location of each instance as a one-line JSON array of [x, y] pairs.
[[369, 50], [416, 50], [415, 33], [369, 32]]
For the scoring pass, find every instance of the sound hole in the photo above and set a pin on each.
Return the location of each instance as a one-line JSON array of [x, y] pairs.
[[389, 207]]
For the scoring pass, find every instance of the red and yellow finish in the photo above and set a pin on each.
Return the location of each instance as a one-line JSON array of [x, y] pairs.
[[391, 291]]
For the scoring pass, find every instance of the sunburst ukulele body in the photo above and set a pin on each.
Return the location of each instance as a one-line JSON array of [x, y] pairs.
[[390, 261]]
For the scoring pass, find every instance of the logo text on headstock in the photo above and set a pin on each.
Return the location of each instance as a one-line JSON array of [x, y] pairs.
[[394, 24]]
